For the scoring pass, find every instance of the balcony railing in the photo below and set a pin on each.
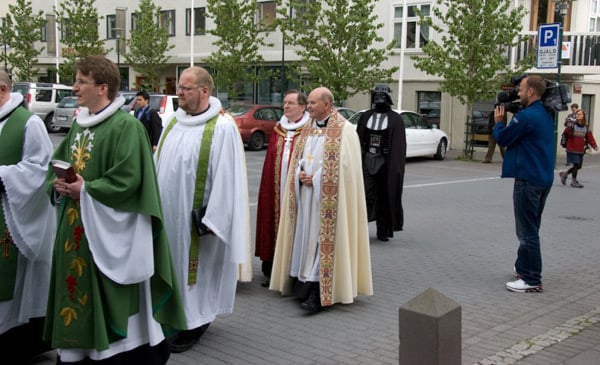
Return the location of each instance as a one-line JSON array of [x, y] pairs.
[[585, 49]]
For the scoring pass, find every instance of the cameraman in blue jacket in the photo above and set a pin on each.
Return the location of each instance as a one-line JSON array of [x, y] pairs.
[[529, 159]]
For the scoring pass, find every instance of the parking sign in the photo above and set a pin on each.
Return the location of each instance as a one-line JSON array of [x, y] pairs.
[[548, 50]]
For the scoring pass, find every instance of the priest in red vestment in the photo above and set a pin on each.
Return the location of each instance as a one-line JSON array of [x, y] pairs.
[[274, 173]]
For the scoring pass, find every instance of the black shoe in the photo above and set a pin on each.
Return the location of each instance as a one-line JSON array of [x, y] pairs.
[[313, 303], [187, 339], [302, 290], [265, 283], [382, 238]]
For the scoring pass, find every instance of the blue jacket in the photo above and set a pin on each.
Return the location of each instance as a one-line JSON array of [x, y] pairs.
[[529, 142]]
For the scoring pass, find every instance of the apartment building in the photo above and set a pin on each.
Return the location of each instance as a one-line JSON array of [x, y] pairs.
[[416, 90]]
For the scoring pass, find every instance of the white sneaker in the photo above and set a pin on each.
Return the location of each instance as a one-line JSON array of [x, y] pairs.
[[520, 286]]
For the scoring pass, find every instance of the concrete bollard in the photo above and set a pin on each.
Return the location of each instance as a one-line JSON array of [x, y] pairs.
[[430, 330]]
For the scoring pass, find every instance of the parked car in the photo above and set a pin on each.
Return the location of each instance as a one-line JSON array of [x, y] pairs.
[[256, 123], [421, 138], [41, 98], [129, 99], [65, 112], [480, 127], [346, 112]]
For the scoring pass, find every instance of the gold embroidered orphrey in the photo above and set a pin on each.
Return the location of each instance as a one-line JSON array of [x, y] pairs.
[[329, 199], [277, 174]]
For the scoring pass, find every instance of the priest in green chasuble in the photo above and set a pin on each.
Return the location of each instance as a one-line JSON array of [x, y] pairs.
[[113, 294]]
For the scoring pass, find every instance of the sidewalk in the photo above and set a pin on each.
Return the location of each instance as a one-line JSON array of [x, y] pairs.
[[459, 239]]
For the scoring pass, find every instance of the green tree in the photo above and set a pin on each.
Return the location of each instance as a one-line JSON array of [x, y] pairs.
[[78, 21], [148, 45], [471, 55], [22, 28], [238, 43], [338, 43]]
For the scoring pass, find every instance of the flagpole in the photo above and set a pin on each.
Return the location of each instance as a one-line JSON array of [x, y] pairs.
[[192, 30], [56, 48], [402, 48]]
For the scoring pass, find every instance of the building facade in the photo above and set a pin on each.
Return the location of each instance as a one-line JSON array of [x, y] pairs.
[[416, 90]]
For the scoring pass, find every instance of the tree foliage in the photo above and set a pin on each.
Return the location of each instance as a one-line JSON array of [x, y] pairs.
[[148, 44], [78, 21], [22, 28], [471, 57], [238, 43], [338, 43]]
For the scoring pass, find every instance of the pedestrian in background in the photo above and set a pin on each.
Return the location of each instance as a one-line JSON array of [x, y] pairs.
[[529, 159], [274, 175], [113, 290], [27, 228], [322, 250], [201, 171], [149, 117], [570, 119], [579, 136]]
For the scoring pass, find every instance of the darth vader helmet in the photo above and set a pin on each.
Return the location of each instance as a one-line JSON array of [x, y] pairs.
[[382, 94]]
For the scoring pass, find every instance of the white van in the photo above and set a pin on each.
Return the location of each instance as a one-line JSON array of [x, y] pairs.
[[41, 98]]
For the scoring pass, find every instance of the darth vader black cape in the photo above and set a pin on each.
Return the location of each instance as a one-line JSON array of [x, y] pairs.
[[394, 163]]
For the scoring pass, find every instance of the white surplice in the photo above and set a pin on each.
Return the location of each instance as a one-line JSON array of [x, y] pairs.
[[227, 211], [30, 219], [305, 257]]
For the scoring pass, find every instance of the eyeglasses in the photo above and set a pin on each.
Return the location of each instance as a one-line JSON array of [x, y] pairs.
[[186, 89], [80, 82]]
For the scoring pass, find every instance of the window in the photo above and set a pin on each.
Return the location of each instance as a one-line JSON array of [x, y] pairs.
[[301, 7], [266, 15], [429, 105], [65, 29], [44, 33], [43, 95], [167, 21], [199, 21], [594, 25], [134, 18], [111, 27], [417, 35]]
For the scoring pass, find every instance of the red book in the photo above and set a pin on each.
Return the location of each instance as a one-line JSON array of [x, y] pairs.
[[64, 170]]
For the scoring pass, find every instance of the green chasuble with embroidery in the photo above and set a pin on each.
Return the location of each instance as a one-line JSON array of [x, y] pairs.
[[86, 309]]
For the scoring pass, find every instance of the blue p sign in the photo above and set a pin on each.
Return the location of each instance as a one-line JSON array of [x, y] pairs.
[[548, 34]]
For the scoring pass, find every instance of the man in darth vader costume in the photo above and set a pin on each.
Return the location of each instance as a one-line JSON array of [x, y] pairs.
[[383, 142]]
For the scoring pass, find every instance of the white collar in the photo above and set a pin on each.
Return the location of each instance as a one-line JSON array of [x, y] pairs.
[[191, 120], [86, 120], [289, 126], [13, 102]]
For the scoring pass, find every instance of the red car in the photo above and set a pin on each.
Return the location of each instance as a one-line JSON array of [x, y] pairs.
[[256, 123]]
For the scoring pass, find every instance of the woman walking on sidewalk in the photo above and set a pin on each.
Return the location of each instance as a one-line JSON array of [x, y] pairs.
[[578, 137]]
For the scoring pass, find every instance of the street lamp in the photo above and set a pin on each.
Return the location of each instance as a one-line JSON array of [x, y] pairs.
[[118, 41], [5, 48], [118, 51], [563, 8]]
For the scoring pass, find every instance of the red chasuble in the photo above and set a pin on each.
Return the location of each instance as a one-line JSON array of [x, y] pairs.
[[267, 216]]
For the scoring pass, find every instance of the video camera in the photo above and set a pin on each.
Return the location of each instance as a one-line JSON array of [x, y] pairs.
[[555, 99]]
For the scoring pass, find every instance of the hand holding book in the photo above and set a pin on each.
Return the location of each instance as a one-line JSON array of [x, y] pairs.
[[64, 170]]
